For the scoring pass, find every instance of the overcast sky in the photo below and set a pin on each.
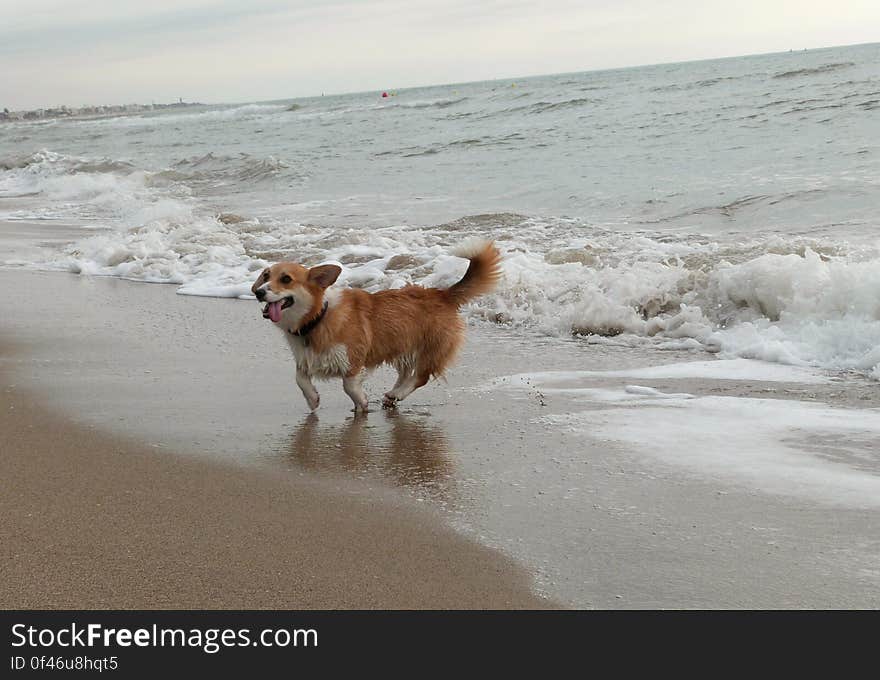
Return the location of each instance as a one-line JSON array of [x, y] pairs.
[[116, 51]]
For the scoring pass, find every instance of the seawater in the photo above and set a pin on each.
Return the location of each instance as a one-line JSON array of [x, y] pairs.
[[727, 205]]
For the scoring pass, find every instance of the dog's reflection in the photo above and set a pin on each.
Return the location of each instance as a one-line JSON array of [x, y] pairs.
[[400, 447]]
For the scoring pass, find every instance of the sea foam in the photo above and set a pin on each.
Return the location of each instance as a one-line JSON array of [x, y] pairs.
[[794, 300], [801, 309]]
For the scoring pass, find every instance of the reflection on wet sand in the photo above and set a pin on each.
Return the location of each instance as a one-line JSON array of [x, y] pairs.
[[401, 448]]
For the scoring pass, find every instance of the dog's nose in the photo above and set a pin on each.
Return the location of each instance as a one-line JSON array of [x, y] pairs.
[[261, 294]]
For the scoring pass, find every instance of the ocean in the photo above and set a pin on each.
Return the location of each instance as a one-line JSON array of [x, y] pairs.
[[726, 206]]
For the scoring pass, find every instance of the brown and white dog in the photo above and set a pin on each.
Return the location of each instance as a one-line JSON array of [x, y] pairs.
[[343, 333]]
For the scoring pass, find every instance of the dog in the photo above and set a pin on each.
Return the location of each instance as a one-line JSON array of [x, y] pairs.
[[343, 333]]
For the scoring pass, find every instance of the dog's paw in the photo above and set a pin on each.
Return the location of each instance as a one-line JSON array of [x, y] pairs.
[[389, 401], [314, 402]]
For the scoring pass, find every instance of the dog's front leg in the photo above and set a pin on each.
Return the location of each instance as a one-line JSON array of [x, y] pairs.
[[354, 388], [304, 380]]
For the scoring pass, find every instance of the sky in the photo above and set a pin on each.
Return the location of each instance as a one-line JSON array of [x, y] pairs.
[[78, 52]]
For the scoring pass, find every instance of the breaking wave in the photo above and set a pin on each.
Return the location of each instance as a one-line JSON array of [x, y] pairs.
[[793, 300], [196, 115], [60, 185], [801, 302]]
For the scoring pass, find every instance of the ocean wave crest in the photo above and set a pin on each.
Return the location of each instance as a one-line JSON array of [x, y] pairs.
[[239, 170], [824, 68], [74, 186], [800, 302]]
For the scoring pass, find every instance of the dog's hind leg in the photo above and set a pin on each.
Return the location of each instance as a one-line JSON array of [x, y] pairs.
[[403, 388], [353, 384], [304, 381], [403, 375]]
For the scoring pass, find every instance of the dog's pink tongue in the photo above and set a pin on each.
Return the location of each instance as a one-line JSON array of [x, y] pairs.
[[275, 311]]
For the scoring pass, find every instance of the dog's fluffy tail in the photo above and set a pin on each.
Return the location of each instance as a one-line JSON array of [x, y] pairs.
[[481, 276]]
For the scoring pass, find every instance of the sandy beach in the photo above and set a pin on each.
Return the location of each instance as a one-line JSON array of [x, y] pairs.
[[98, 520], [157, 453]]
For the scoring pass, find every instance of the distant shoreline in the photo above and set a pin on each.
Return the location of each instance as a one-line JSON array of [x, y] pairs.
[[7, 116]]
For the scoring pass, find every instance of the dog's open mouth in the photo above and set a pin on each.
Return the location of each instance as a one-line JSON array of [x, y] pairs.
[[272, 310]]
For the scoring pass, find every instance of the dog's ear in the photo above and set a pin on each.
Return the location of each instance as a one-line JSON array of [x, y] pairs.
[[261, 279], [324, 275]]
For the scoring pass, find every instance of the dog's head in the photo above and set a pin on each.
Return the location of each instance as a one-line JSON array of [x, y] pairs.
[[293, 293]]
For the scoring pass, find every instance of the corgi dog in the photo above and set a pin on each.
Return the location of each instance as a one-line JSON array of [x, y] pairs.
[[343, 333]]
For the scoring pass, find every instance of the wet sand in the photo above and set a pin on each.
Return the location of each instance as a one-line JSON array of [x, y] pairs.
[[97, 520], [203, 389]]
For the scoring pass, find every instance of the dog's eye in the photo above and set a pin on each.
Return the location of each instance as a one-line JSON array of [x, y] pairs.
[[285, 279]]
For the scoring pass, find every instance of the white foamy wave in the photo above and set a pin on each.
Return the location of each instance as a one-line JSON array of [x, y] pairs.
[[440, 103], [803, 310], [798, 303], [200, 254], [242, 112], [53, 185], [371, 104]]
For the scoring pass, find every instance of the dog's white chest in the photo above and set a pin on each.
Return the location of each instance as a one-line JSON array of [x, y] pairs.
[[331, 363]]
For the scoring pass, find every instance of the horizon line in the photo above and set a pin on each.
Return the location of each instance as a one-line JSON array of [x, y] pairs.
[[467, 82], [545, 75]]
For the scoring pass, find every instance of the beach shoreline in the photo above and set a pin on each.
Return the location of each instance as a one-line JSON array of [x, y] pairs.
[[476, 492], [95, 520]]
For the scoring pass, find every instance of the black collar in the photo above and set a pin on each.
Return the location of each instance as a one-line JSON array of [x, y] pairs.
[[305, 329]]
